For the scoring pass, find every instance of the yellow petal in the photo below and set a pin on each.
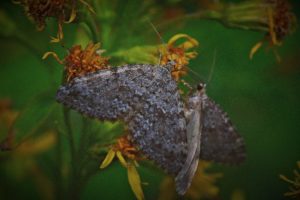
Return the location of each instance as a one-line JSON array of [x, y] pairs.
[[135, 181], [16, 2], [122, 159], [286, 179], [54, 55], [293, 193], [88, 6], [191, 42], [136, 163], [277, 56], [254, 49], [176, 37], [107, 160], [271, 27], [60, 33], [191, 54], [54, 40], [72, 16]]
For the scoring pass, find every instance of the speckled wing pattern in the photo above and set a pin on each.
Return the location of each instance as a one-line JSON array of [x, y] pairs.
[[220, 142], [146, 98]]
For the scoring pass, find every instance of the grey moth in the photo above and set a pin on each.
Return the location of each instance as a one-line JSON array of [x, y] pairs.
[[172, 133]]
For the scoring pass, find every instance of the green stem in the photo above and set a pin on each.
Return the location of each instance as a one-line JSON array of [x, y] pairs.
[[73, 190], [83, 143], [59, 177], [90, 23], [205, 14], [66, 112]]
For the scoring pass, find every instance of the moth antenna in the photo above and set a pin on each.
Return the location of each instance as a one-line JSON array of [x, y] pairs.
[[210, 73], [195, 73], [160, 38], [213, 65]]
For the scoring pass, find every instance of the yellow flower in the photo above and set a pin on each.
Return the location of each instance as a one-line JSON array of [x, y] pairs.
[[202, 187], [281, 22], [122, 148], [294, 192], [179, 54], [82, 61], [162, 54]]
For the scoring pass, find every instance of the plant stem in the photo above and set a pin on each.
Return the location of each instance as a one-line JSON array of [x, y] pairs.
[[66, 112], [73, 191], [59, 179], [205, 14]]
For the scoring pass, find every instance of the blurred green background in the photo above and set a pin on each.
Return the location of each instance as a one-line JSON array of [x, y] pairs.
[[260, 95]]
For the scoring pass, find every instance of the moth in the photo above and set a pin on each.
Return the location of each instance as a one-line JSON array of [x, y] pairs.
[[172, 133]]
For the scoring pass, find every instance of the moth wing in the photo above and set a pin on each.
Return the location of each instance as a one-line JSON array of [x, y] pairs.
[[184, 178], [146, 98], [220, 142], [158, 125], [105, 94]]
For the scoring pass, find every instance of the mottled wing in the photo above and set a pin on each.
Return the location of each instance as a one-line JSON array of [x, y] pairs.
[[96, 95], [184, 178], [220, 142], [158, 125], [146, 98]]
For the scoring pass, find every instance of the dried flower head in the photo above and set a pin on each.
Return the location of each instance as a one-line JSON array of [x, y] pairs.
[[40, 10], [179, 54], [82, 61], [127, 148], [281, 22], [273, 17]]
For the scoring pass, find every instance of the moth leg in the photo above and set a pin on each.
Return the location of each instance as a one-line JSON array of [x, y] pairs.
[[187, 85]]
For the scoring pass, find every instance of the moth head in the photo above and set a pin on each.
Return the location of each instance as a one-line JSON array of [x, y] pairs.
[[201, 88]]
